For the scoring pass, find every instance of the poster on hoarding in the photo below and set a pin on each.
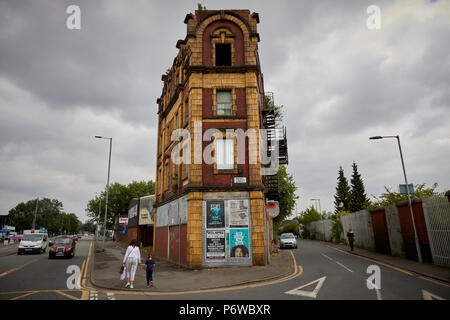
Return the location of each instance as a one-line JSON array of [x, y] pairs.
[[239, 243], [215, 245], [132, 212], [215, 214], [238, 213]]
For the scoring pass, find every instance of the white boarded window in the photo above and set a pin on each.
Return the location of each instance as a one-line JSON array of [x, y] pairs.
[[225, 154], [224, 103]]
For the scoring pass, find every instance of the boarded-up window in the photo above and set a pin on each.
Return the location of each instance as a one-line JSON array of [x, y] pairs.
[[225, 154]]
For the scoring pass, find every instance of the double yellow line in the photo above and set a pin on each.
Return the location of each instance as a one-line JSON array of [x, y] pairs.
[[83, 276]]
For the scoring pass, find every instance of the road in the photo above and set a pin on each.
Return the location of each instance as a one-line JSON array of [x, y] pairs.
[[35, 277], [322, 273]]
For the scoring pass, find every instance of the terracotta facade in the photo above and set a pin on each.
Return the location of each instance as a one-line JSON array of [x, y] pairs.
[[189, 101]]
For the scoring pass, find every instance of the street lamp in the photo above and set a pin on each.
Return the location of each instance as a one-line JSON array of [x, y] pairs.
[[407, 191], [107, 189]]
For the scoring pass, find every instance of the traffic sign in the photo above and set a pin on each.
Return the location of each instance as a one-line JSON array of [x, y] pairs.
[[272, 209]]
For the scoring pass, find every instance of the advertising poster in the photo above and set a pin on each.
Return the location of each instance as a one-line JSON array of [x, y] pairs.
[[146, 211], [215, 245], [238, 213], [215, 214], [239, 243], [132, 212]]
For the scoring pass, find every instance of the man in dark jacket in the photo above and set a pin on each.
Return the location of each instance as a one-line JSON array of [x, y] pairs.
[[351, 238]]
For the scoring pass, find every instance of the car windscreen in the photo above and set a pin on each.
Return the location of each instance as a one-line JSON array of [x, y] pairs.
[[32, 237], [287, 236], [63, 241]]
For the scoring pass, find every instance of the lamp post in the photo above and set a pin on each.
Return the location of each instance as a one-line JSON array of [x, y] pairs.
[[320, 212], [107, 189], [35, 214], [419, 255], [99, 212]]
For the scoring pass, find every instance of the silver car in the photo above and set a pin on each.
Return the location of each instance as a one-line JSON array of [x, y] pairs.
[[287, 240]]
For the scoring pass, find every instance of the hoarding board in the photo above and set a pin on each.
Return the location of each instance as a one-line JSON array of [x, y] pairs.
[[146, 210]]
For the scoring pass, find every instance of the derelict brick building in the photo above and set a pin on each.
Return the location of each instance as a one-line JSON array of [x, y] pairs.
[[212, 214]]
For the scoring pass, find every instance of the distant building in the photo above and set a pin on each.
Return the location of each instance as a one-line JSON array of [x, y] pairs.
[[3, 220], [139, 222]]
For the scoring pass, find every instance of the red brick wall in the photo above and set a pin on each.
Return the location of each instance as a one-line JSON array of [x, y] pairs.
[[241, 105], [223, 179], [207, 102]]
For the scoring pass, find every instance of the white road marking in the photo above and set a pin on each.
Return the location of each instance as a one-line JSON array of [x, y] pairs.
[[377, 290], [429, 296], [111, 296], [343, 266], [93, 295], [327, 257], [309, 294]]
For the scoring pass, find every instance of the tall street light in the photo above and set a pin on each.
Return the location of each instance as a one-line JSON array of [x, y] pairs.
[[419, 255], [107, 189]]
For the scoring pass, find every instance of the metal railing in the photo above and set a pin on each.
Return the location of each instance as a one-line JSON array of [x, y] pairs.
[[437, 217]]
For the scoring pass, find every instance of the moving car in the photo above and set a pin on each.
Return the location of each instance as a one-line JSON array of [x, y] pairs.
[[287, 240], [63, 246], [33, 242]]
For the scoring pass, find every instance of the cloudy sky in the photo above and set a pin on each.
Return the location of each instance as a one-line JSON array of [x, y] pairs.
[[339, 81]]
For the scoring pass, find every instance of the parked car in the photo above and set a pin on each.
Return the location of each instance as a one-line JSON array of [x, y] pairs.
[[287, 240], [63, 246]]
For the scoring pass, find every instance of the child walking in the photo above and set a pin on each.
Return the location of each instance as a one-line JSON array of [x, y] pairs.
[[150, 268]]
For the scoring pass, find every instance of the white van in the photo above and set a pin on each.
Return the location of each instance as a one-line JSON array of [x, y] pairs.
[[33, 242]]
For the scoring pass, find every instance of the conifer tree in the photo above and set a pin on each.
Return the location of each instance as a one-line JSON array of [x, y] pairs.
[[358, 198], [342, 197]]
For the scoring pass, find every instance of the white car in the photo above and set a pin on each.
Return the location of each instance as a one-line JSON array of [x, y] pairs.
[[287, 240]]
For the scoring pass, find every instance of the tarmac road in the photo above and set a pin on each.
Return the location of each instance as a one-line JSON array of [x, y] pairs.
[[35, 277], [324, 273]]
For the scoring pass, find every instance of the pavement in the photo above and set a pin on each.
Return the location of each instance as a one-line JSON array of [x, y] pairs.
[[6, 250], [169, 277]]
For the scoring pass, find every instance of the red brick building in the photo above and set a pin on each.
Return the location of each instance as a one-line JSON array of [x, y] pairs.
[[210, 205]]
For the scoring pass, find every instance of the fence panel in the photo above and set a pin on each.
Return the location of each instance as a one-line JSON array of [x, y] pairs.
[[395, 231], [437, 216], [320, 228], [361, 224]]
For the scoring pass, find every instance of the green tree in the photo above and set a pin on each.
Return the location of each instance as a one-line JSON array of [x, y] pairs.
[[309, 215], [390, 197], [358, 198], [119, 198], [287, 190], [278, 110], [88, 226], [342, 197]]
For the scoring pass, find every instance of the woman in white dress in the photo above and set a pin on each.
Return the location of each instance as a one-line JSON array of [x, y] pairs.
[[131, 260]]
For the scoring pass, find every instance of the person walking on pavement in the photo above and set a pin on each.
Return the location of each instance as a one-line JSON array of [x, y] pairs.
[[150, 268], [131, 260], [351, 238]]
